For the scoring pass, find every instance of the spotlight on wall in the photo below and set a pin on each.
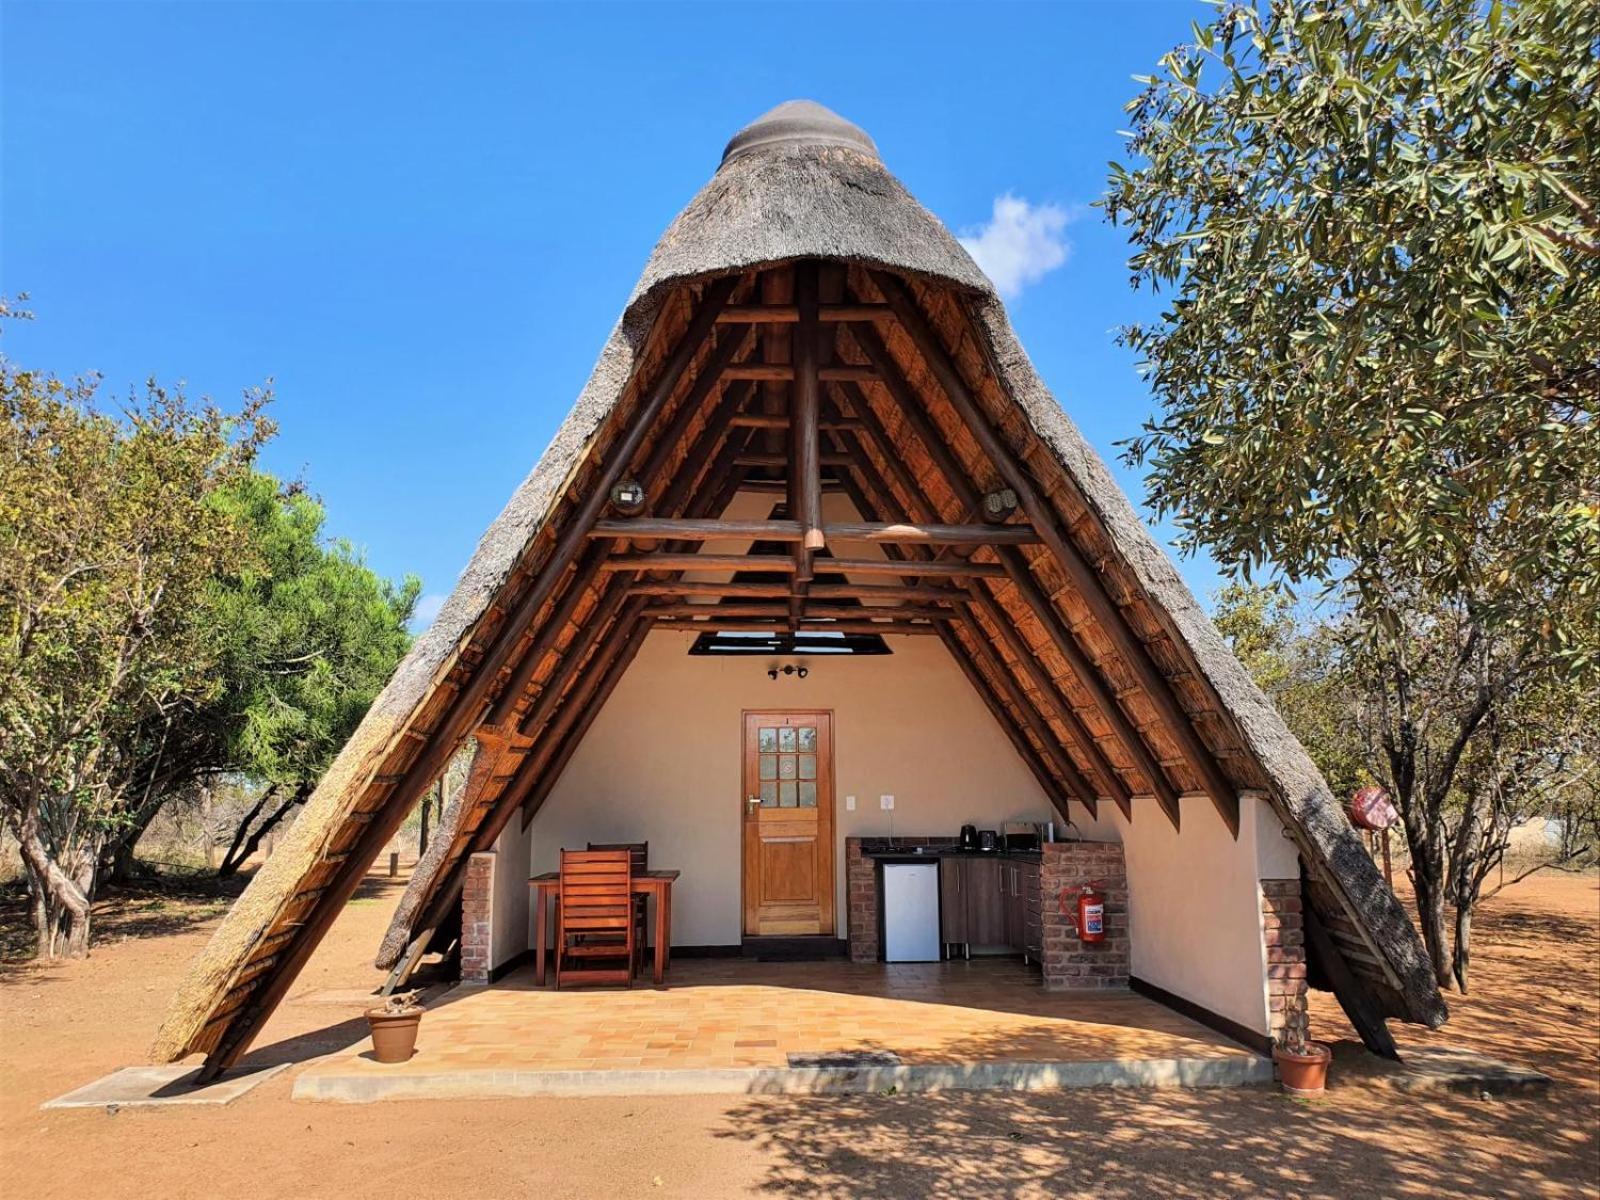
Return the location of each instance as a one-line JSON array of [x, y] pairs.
[[789, 669], [999, 505], [627, 496]]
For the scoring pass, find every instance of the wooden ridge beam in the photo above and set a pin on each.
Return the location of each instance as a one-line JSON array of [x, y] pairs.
[[1111, 618], [806, 506]]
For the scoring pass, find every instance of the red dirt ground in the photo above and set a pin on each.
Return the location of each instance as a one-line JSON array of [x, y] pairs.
[[1536, 1001]]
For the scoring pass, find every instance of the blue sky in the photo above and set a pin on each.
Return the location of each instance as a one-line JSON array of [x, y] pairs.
[[421, 221]]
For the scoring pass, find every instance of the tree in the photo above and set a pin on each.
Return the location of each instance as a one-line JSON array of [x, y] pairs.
[[1379, 366], [308, 635], [1295, 660], [109, 540]]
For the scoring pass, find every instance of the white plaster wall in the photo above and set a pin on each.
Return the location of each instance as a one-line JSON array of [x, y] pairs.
[[662, 764], [510, 920], [1194, 902]]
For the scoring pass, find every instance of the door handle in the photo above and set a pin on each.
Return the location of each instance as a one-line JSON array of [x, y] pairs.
[[754, 802]]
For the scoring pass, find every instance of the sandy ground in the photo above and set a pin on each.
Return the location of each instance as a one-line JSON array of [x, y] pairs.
[[1536, 1000]]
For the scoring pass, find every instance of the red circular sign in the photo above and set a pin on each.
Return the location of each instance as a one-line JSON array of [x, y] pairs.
[[1371, 808]]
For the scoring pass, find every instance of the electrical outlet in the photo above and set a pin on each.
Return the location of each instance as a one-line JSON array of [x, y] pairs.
[[886, 803], [849, 804]]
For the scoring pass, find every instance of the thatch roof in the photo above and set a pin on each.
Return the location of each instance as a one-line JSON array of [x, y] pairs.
[[1084, 641]]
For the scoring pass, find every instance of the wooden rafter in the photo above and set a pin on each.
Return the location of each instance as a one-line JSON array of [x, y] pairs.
[[462, 713], [1083, 577], [1020, 574], [870, 483], [874, 432]]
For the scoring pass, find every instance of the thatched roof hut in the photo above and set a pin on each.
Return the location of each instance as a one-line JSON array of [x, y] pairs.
[[905, 388]]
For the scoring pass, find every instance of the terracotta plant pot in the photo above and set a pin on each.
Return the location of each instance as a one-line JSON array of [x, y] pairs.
[[1303, 1074], [394, 1033]]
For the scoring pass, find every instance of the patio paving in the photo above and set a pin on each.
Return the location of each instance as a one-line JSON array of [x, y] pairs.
[[732, 1026]]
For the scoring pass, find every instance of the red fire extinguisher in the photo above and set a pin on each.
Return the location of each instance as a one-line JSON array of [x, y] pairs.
[[1091, 913]]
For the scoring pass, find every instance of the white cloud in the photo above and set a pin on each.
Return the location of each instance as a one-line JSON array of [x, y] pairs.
[[427, 609], [1020, 244]]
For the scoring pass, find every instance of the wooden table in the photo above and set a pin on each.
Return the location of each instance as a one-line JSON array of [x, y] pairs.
[[652, 883]]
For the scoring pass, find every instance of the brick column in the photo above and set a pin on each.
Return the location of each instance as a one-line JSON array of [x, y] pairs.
[[1068, 962], [861, 899], [1283, 931], [477, 930]]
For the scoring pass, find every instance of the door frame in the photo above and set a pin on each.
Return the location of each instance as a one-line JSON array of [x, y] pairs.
[[827, 898]]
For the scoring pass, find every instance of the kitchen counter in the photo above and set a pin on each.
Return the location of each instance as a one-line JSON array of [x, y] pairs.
[[916, 850]]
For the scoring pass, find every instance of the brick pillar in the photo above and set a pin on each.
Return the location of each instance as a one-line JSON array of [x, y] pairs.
[[861, 899], [1283, 931], [477, 929], [1069, 963]]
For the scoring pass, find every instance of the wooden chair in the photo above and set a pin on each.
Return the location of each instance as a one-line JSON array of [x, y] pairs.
[[594, 917], [640, 852]]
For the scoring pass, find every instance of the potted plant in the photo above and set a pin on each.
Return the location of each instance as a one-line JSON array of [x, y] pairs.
[[394, 1028], [1302, 1064]]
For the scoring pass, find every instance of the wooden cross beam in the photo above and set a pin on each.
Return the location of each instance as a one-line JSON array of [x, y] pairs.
[[882, 533]]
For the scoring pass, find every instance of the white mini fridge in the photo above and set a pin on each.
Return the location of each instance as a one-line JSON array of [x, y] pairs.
[[911, 912]]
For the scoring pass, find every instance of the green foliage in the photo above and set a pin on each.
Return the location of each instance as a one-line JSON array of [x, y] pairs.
[[1297, 663], [167, 614], [1377, 224], [109, 543], [309, 635]]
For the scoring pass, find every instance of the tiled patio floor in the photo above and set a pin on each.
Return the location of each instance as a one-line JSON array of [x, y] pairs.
[[730, 1014]]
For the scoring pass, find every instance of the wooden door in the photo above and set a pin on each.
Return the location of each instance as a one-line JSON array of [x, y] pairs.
[[787, 810]]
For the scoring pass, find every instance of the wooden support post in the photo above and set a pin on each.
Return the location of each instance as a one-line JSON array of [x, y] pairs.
[[1133, 651], [807, 507]]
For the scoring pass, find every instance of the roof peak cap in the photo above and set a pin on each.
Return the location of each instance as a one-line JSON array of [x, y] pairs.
[[799, 122]]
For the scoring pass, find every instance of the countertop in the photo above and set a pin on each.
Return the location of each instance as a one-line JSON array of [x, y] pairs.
[[883, 850]]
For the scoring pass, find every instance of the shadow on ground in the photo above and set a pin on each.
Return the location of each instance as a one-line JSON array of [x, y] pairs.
[[1253, 1141]]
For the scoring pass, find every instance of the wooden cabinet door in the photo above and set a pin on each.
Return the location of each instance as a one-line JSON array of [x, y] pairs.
[[788, 823], [1011, 875], [985, 902], [952, 900]]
